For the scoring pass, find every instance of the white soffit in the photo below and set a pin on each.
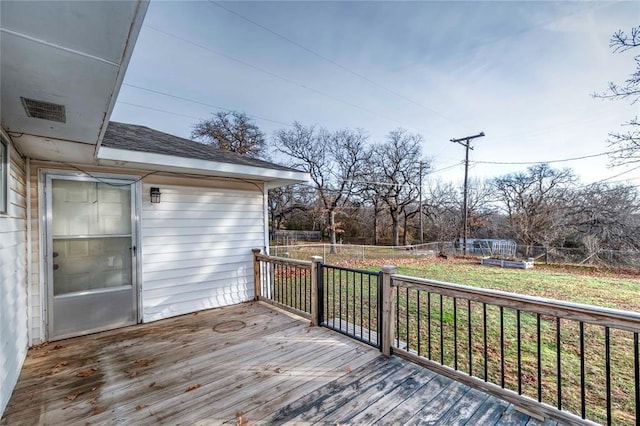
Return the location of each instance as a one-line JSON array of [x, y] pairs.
[[71, 53], [166, 163]]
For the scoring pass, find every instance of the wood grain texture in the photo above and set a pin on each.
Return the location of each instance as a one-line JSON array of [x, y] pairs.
[[262, 366]]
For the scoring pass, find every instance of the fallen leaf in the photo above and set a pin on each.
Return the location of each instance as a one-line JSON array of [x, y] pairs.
[[58, 347], [144, 362], [39, 346], [195, 313], [348, 370], [87, 372], [190, 388], [61, 364], [152, 384], [133, 374], [141, 406], [98, 411], [92, 400], [72, 397]]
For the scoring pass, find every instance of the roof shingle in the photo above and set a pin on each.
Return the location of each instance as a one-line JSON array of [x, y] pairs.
[[134, 137]]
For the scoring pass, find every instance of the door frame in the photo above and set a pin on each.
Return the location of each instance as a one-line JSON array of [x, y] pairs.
[[46, 238]]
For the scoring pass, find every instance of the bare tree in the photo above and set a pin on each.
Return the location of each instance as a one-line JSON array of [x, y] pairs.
[[397, 164], [536, 203], [284, 202], [608, 215], [480, 210], [334, 160], [442, 209], [627, 143], [231, 131]]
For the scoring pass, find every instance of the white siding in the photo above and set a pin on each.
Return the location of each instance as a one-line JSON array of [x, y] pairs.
[[13, 280], [196, 248]]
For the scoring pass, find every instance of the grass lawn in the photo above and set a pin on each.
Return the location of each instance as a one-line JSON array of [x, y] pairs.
[[607, 288]]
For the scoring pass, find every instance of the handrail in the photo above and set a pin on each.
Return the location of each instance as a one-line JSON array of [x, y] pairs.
[[625, 320], [285, 260]]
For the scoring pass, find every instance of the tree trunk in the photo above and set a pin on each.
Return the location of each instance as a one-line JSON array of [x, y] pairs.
[[332, 231], [404, 231], [375, 228], [395, 228]]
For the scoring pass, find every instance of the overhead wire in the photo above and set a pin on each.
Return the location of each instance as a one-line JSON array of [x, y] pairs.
[[333, 62], [275, 75], [564, 160], [158, 110], [158, 92]]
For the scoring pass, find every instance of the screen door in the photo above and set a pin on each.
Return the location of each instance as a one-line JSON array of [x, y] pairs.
[[90, 255]]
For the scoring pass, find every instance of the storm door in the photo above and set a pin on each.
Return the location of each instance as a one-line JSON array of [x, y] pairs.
[[90, 256]]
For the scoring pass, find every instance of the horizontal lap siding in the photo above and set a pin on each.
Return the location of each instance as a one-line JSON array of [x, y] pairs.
[[196, 248], [13, 280]]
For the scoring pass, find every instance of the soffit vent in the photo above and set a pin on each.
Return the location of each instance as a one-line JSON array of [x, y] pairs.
[[44, 110]]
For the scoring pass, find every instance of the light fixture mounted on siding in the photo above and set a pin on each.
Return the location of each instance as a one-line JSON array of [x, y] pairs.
[[155, 195]]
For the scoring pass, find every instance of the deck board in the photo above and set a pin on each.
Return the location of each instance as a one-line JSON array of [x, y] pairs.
[[247, 362]]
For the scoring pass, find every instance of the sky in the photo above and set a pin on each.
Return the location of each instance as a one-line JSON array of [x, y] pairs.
[[521, 72]]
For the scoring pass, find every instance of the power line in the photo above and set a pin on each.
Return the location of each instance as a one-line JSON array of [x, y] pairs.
[[182, 98], [159, 110], [610, 177], [272, 74], [548, 161], [331, 61]]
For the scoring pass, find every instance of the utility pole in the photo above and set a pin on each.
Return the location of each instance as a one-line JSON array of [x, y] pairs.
[[420, 207], [466, 142]]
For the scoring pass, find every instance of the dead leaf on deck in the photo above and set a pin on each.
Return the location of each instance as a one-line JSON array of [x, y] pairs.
[[56, 347], [152, 384], [87, 372], [141, 406], [240, 421], [348, 370], [72, 397], [144, 362], [99, 410], [92, 400], [190, 388], [39, 346], [195, 313], [132, 374], [61, 364]]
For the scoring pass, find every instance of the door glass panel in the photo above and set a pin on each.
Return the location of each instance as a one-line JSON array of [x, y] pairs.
[[90, 208], [90, 264], [91, 224]]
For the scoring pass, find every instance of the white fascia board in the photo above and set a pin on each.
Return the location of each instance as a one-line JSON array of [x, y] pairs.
[[162, 162], [134, 32]]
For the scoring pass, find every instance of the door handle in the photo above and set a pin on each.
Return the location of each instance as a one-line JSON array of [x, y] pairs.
[[133, 249], [55, 266]]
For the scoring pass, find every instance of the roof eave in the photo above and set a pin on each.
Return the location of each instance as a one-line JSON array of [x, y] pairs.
[[134, 32], [167, 163]]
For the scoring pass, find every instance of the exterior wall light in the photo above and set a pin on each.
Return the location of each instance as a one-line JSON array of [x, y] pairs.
[[155, 195]]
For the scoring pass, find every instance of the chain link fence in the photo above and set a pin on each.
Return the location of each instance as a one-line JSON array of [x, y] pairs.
[[616, 259]]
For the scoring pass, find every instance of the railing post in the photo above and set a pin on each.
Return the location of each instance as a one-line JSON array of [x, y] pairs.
[[316, 290], [388, 311], [256, 274]]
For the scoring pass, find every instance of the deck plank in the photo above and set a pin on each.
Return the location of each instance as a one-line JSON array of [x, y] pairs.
[[394, 398], [271, 368]]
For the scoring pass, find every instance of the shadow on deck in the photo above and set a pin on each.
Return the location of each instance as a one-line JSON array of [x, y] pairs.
[[245, 364]]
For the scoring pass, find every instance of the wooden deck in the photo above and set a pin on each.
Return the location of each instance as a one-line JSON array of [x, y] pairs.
[[246, 364]]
